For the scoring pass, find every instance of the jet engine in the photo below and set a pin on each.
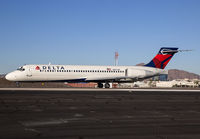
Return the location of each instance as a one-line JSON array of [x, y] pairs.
[[138, 73]]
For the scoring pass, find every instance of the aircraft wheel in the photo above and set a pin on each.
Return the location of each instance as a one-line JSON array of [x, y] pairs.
[[107, 85], [100, 85]]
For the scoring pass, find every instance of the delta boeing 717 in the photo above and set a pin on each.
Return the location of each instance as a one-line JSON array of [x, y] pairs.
[[98, 74]]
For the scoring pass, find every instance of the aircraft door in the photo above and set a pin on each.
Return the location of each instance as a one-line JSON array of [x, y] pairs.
[[126, 72], [29, 72]]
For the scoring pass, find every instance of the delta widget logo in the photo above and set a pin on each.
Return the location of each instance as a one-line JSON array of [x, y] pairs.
[[37, 68]]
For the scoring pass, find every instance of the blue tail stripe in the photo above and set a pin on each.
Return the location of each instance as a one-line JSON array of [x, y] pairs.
[[151, 64], [162, 63]]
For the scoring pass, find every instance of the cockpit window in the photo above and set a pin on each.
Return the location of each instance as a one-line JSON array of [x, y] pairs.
[[21, 69]]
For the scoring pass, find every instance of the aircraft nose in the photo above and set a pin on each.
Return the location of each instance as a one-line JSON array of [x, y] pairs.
[[10, 77]]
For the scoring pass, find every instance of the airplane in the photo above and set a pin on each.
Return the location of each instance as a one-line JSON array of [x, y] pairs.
[[98, 74]]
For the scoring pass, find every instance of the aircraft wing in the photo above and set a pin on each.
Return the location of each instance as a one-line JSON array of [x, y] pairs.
[[112, 79]]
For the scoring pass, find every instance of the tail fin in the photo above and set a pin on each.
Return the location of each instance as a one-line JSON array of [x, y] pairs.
[[162, 58]]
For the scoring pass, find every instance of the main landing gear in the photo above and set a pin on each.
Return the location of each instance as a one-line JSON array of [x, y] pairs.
[[100, 85], [107, 85]]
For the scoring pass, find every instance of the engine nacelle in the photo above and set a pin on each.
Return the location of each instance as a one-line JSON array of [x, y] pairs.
[[138, 73]]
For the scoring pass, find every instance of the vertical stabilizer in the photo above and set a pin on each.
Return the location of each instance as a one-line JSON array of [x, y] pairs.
[[162, 58]]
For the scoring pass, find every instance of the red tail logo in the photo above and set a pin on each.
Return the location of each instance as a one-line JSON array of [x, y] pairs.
[[37, 68], [162, 58]]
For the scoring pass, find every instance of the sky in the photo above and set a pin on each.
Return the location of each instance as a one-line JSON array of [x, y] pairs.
[[88, 32]]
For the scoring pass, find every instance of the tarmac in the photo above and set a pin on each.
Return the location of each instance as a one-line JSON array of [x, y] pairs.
[[99, 113]]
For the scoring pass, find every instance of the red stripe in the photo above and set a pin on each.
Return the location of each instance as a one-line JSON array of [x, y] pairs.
[[159, 58]]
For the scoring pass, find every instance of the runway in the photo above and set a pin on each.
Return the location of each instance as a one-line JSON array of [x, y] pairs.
[[106, 89], [99, 114]]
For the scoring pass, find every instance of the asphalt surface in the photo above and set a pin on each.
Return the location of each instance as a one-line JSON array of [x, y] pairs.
[[99, 114]]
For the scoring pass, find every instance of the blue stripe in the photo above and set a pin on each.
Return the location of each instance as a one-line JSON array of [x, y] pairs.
[[162, 63]]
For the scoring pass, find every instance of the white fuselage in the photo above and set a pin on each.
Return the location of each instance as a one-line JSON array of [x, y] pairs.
[[83, 73]]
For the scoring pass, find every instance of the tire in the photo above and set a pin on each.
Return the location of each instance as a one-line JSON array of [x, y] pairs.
[[100, 85], [107, 85]]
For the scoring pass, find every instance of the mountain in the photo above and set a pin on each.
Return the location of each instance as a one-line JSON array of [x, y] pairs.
[[140, 64], [181, 74], [178, 74]]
